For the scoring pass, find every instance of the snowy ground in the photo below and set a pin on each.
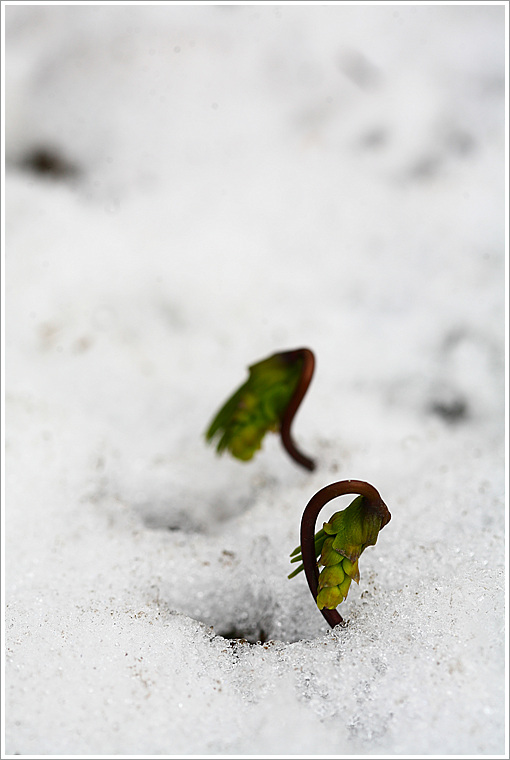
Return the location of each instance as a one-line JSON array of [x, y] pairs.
[[229, 181]]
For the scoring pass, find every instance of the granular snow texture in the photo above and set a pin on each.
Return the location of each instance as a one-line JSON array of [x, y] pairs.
[[188, 190]]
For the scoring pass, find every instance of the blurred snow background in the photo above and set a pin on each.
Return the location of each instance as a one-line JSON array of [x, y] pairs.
[[188, 190]]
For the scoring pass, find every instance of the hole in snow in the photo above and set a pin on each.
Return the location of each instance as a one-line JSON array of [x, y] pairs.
[[260, 622], [450, 410], [242, 636], [49, 162]]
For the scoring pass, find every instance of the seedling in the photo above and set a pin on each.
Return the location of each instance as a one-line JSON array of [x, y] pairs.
[[266, 402], [339, 544]]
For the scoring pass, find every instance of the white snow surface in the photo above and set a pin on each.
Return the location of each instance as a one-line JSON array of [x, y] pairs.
[[248, 179]]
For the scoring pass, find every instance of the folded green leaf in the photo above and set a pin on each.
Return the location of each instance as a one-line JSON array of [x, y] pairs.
[[257, 407], [338, 546]]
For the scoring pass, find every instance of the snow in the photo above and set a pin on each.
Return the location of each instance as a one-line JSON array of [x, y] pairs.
[[243, 179]]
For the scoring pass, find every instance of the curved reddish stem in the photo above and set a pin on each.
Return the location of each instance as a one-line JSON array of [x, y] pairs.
[[304, 381], [309, 520]]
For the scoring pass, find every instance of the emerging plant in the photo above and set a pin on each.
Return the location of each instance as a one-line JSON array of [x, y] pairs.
[[267, 401], [339, 544]]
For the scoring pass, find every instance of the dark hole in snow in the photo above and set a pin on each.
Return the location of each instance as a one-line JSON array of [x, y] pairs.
[[259, 636], [451, 411], [49, 162]]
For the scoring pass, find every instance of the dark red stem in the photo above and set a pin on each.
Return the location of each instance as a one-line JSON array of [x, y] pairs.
[[304, 381], [309, 520]]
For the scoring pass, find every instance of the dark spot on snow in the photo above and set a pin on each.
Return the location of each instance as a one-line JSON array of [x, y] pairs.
[[457, 144], [238, 636], [452, 411], [227, 557], [50, 163]]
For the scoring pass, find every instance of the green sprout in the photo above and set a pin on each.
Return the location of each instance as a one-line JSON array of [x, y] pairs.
[[266, 402], [337, 547]]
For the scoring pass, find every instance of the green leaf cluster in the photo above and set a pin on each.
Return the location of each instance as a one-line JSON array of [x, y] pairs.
[[338, 546], [257, 407]]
